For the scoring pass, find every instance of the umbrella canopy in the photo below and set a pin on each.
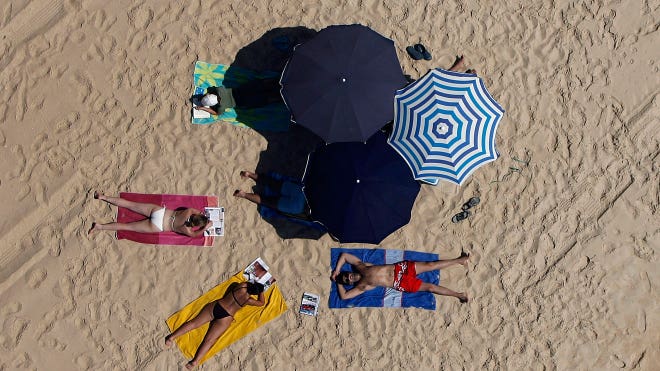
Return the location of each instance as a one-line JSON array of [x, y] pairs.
[[361, 192], [341, 83], [444, 125]]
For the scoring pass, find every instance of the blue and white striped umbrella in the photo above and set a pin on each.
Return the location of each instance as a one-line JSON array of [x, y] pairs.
[[444, 126]]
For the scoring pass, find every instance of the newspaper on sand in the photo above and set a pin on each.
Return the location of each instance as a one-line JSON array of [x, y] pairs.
[[217, 216], [257, 271]]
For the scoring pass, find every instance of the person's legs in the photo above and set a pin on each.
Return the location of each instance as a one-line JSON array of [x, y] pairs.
[[422, 267], [142, 226], [216, 329], [263, 180], [441, 290], [267, 184], [248, 196], [266, 180], [257, 199], [249, 174], [458, 64], [138, 207], [204, 316]]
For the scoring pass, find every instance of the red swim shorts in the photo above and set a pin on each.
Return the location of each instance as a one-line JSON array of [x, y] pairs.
[[405, 277]]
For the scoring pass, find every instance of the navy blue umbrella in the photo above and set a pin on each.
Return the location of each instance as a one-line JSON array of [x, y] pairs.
[[341, 83], [361, 192]]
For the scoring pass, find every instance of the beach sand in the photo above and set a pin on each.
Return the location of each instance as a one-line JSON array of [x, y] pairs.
[[94, 96]]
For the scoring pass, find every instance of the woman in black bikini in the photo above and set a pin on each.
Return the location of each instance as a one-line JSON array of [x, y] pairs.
[[221, 314]]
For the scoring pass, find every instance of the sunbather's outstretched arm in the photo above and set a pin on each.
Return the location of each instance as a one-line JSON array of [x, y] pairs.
[[209, 110], [200, 231], [259, 302], [344, 295], [345, 258], [350, 259]]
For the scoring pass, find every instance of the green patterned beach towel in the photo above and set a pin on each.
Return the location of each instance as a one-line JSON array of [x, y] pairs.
[[273, 117]]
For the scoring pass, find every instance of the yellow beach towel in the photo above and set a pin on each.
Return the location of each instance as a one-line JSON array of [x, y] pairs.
[[246, 320]]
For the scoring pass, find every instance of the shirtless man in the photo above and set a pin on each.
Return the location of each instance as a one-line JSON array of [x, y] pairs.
[[401, 276], [221, 314], [186, 221]]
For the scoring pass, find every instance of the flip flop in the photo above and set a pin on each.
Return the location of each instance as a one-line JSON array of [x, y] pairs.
[[414, 53], [460, 216], [422, 50], [472, 202]]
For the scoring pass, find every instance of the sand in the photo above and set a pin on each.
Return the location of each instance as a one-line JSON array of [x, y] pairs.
[[564, 272]]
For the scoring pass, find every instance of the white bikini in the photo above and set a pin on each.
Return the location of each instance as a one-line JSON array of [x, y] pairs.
[[157, 218]]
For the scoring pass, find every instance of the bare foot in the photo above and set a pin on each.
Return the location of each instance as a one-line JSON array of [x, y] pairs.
[[248, 174], [190, 365], [463, 298], [92, 229], [464, 258], [239, 193], [168, 342], [458, 64]]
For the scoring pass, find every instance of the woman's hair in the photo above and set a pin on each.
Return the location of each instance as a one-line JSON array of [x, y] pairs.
[[255, 288], [196, 220]]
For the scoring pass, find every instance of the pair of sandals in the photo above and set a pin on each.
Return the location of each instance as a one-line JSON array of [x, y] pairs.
[[465, 213], [418, 51]]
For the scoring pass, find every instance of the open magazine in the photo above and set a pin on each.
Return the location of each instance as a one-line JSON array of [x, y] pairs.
[[257, 271], [217, 216], [198, 113], [309, 304]]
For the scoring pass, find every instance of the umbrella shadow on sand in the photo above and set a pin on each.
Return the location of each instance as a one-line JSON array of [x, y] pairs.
[[288, 143], [286, 153]]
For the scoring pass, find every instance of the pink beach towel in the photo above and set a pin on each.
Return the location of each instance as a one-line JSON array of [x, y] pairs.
[[171, 202]]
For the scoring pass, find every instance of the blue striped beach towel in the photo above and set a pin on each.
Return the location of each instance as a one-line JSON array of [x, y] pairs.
[[273, 117], [380, 296]]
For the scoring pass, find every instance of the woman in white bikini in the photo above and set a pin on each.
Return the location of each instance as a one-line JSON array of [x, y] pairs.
[[185, 221]]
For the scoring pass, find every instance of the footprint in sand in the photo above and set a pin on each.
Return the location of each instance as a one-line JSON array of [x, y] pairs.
[[616, 361], [35, 277], [22, 360], [84, 362]]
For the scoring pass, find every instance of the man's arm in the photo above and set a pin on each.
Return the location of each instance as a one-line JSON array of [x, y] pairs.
[[345, 258], [344, 295]]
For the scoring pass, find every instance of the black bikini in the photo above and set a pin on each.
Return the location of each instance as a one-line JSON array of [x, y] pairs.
[[220, 312]]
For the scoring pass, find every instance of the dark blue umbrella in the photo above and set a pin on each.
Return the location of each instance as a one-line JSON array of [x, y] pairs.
[[361, 192], [341, 83]]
